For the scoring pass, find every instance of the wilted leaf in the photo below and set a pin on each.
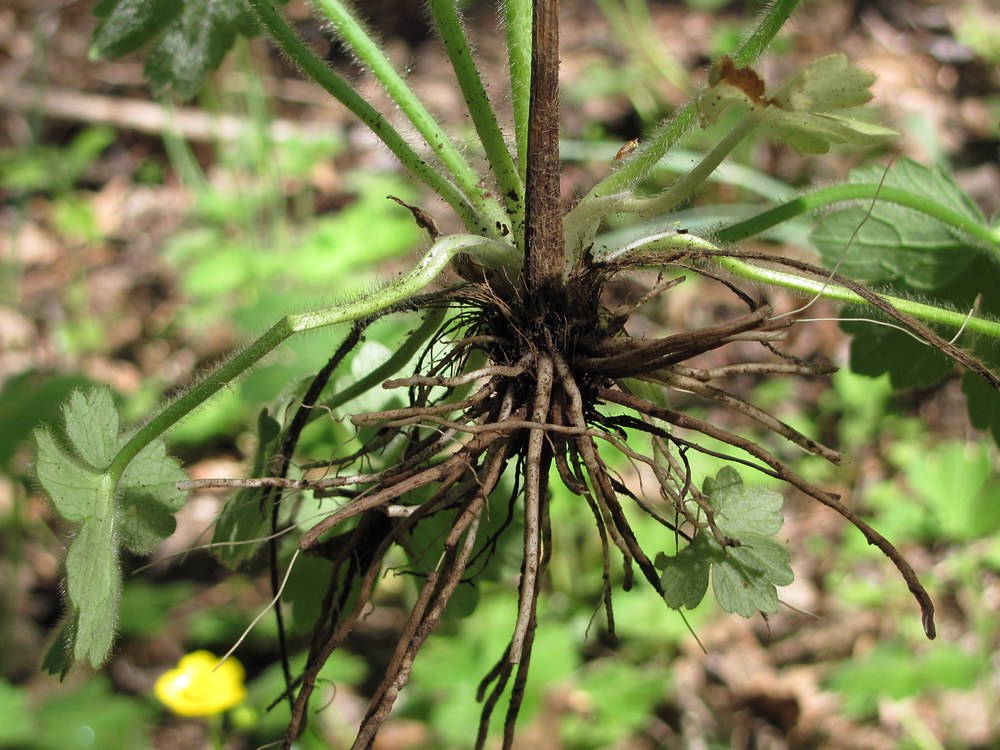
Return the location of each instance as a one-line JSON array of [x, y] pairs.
[[826, 84], [799, 112]]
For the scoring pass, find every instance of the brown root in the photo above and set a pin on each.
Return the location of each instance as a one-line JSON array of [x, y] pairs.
[[541, 400]]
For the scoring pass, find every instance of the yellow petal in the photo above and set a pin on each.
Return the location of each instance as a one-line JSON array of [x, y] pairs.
[[197, 688]]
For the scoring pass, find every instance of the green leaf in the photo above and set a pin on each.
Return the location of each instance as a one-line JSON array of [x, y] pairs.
[[877, 349], [92, 425], [740, 509], [826, 84], [93, 587], [983, 403], [799, 112], [193, 45], [189, 38], [810, 133], [58, 659], [137, 513], [897, 244], [73, 489], [149, 498], [744, 577], [918, 254], [128, 25], [685, 577]]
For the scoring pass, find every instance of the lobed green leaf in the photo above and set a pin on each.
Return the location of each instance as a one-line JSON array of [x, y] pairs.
[[741, 510], [138, 513], [188, 38], [814, 133], [92, 425], [72, 487], [828, 83], [149, 498], [745, 576], [895, 244], [128, 25], [192, 46], [685, 576], [93, 587]]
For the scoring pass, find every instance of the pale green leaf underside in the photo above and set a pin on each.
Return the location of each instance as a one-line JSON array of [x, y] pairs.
[[685, 578], [810, 133], [73, 489], [741, 510], [137, 513], [93, 586], [744, 577], [149, 498], [92, 425]]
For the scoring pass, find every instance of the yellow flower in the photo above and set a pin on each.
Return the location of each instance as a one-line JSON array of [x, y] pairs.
[[194, 689]]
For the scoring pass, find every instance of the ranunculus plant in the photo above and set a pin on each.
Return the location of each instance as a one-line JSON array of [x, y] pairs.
[[523, 374]]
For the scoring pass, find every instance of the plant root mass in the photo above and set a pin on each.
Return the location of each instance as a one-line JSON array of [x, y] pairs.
[[499, 399]]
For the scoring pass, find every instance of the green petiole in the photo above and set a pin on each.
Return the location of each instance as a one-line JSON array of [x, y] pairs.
[[823, 197], [483, 116], [488, 252], [472, 215], [657, 250]]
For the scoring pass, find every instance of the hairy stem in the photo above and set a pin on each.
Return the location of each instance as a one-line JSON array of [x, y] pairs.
[[482, 113], [685, 187], [837, 293], [426, 270], [469, 209], [544, 261], [517, 20], [669, 248], [371, 56], [983, 235]]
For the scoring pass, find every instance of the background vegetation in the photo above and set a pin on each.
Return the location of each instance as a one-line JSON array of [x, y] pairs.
[[142, 242]]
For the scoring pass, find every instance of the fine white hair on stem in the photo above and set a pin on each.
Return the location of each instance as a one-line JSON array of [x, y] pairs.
[[968, 317], [268, 608], [874, 321], [847, 247]]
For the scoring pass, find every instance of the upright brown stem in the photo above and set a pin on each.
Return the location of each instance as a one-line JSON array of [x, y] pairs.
[[544, 252]]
